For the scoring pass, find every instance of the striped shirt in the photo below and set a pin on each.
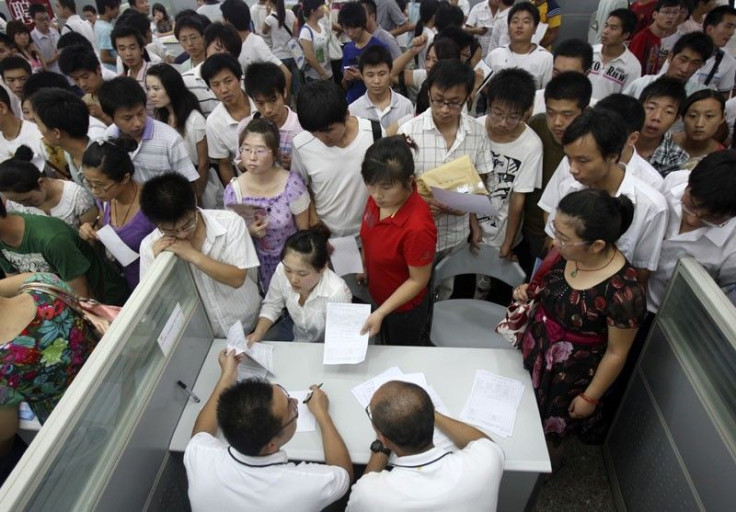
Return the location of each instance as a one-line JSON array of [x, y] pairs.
[[161, 150], [196, 84]]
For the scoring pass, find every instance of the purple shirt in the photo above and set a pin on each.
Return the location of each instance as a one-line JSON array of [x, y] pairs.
[[132, 233]]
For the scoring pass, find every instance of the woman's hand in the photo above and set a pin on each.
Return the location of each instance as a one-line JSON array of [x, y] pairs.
[[88, 233], [361, 279], [373, 323], [580, 408], [520, 294], [258, 227], [254, 337]]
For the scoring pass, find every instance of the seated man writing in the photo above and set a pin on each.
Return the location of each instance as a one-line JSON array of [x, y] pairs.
[[251, 471], [424, 477]]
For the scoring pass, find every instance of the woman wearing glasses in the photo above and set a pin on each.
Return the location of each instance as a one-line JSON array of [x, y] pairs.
[[589, 306], [109, 171], [273, 201]]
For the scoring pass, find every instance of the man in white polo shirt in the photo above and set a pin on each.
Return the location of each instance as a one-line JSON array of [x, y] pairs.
[[249, 470], [614, 66], [593, 144], [424, 477]]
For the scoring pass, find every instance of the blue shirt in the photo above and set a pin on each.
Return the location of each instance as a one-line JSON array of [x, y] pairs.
[[350, 56], [103, 29]]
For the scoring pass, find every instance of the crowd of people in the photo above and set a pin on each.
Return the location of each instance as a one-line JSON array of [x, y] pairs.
[[278, 128]]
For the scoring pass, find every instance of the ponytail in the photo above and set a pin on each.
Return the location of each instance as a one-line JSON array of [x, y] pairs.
[[600, 216], [18, 174], [280, 12]]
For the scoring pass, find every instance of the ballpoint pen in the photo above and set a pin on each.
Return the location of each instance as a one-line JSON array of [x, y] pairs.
[[309, 396], [189, 391]]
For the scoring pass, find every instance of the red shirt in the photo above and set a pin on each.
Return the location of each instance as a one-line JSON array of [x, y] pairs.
[[644, 15], [393, 244], [648, 49]]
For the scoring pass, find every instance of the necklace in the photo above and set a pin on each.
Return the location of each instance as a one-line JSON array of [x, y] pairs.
[[574, 273], [119, 222]]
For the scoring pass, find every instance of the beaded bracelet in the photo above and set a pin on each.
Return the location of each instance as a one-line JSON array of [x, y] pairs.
[[588, 399]]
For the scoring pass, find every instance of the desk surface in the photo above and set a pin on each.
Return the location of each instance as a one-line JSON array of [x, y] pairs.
[[449, 370]]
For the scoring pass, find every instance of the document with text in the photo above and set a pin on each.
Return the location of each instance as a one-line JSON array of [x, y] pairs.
[[343, 342], [493, 403]]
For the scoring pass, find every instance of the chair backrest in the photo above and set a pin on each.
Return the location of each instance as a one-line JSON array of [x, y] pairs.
[[487, 262]]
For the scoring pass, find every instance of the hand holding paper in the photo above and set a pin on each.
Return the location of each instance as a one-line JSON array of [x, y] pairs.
[[119, 249], [343, 342], [258, 352]]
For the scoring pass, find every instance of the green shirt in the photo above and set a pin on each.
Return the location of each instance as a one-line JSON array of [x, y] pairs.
[[51, 245], [553, 154]]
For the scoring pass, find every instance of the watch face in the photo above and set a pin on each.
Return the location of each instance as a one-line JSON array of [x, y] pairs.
[[376, 446]]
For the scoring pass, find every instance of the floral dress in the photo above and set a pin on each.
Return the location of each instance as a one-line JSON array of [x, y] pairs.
[[566, 340], [40, 363]]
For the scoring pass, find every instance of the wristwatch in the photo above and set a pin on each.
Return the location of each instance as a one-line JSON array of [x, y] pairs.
[[377, 446]]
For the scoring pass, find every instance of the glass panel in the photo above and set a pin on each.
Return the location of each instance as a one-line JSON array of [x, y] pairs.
[[702, 336], [101, 432]]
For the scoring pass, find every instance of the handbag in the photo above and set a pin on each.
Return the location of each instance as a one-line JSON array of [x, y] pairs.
[[518, 314], [295, 48], [99, 315]]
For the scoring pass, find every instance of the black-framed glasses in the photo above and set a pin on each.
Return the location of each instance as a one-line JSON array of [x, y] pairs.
[[295, 403], [368, 412], [452, 105], [98, 188]]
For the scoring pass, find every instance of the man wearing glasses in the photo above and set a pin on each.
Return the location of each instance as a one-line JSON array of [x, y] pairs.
[[215, 243], [250, 470], [424, 477]]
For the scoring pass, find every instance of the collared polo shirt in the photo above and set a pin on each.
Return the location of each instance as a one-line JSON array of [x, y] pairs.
[[713, 248], [465, 480], [47, 46], [613, 76], [161, 150], [392, 245], [399, 107], [223, 479], [226, 240], [222, 134], [196, 84]]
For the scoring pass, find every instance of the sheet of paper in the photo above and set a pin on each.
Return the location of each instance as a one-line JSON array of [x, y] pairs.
[[249, 369], [236, 338], [343, 342], [473, 203], [415, 378], [484, 68], [363, 392], [346, 256], [112, 242], [258, 352], [306, 421], [493, 402], [539, 34], [172, 329]]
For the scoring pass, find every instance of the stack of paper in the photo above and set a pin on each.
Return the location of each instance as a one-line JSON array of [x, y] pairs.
[[260, 357], [493, 402], [343, 342], [364, 392]]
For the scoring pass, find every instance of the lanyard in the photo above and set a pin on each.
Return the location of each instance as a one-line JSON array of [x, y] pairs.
[[253, 465], [425, 464]]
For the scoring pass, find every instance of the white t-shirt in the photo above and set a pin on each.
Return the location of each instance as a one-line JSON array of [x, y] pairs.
[[464, 480], [713, 248], [333, 176], [517, 167], [75, 23], [258, 16], [318, 38], [212, 11], [538, 62], [500, 32], [223, 479], [195, 129], [75, 201], [641, 243], [280, 35], [636, 87], [613, 76], [29, 136], [255, 49]]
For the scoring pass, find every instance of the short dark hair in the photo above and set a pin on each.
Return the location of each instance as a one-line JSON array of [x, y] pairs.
[[628, 107], [448, 15], [310, 6], [218, 62], [600, 216], [717, 15], [525, 7], [103, 5], [320, 104], [14, 62], [167, 198], [63, 110], [661, 4], [695, 41], [226, 34], [703, 94], [577, 49], [264, 79], [406, 416], [460, 37], [120, 93], [311, 244], [713, 183], [389, 160], [245, 415], [137, 20], [89, 8], [237, 13], [34, 9], [450, 73], [607, 129], [375, 56], [18, 174], [514, 87], [570, 85], [665, 87], [351, 15], [627, 18], [44, 80], [69, 4], [73, 39], [122, 30], [191, 22], [78, 58], [111, 157]]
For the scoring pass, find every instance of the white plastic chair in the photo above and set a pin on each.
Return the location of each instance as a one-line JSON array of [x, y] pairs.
[[468, 322]]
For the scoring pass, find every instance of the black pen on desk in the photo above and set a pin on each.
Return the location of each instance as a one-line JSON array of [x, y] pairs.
[[189, 391], [309, 396]]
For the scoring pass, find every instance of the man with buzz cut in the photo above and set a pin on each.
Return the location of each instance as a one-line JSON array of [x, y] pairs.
[[424, 477]]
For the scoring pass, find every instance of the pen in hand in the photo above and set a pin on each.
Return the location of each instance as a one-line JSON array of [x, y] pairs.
[[309, 396]]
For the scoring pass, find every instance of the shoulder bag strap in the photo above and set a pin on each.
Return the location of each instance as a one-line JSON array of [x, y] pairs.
[[376, 128], [714, 70]]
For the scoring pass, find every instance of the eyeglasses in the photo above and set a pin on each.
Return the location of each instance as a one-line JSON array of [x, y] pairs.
[[368, 412], [186, 228], [555, 235], [190, 39], [511, 119], [452, 105], [292, 402], [719, 223], [97, 188], [259, 151]]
